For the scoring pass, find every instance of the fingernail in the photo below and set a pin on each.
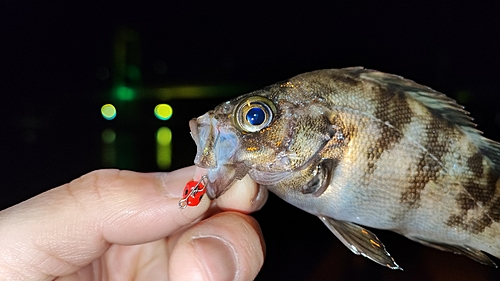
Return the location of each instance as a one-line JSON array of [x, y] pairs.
[[259, 198], [217, 257], [199, 172], [170, 190]]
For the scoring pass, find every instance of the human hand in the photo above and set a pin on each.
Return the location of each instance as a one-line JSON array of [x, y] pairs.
[[122, 225]]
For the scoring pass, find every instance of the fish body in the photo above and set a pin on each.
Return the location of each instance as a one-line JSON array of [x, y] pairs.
[[361, 147]]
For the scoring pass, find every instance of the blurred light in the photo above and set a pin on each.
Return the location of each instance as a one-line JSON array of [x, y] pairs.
[[164, 136], [108, 136], [163, 111], [164, 147], [133, 72], [197, 92], [125, 93], [108, 111]]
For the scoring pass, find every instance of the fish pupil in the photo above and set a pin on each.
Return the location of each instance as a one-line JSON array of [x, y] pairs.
[[256, 116]]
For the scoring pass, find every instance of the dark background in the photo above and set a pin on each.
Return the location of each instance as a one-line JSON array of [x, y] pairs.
[[58, 66]]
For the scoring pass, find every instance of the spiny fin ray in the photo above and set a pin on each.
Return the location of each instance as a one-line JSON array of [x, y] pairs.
[[360, 241], [437, 102]]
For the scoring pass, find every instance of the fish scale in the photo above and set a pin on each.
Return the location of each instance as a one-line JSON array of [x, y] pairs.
[[359, 147]]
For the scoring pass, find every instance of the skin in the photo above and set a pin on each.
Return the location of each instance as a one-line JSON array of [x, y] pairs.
[[122, 225]]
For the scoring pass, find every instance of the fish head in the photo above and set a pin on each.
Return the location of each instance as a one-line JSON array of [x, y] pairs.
[[217, 143], [267, 134]]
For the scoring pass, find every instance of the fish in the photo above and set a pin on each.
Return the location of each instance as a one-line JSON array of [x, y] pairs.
[[361, 148]]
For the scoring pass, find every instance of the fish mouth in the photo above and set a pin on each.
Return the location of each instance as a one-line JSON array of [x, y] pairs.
[[204, 134], [216, 148]]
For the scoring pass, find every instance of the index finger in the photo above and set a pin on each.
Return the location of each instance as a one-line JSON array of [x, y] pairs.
[[63, 229], [244, 196]]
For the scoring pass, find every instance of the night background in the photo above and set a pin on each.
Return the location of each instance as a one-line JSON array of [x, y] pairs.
[[60, 62]]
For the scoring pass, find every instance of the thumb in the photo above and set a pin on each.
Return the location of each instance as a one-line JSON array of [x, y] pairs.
[[60, 231]]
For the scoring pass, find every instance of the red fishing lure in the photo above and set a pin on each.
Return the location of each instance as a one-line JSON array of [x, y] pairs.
[[193, 193]]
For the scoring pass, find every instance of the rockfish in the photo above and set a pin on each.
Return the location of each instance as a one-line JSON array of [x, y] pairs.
[[361, 147]]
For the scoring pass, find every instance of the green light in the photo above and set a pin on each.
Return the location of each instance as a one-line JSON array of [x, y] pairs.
[[108, 136], [133, 73], [125, 93], [108, 111], [164, 147], [163, 111]]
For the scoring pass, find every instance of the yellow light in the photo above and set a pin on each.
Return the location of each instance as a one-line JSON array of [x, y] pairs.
[[108, 111], [164, 147], [164, 136], [163, 111]]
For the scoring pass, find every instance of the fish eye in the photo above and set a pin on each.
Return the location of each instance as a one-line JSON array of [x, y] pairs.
[[254, 114]]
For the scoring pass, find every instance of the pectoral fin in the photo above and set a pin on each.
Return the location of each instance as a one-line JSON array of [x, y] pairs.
[[321, 178], [360, 241], [459, 250]]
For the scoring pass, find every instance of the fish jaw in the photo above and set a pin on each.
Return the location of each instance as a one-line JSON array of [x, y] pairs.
[[216, 151], [204, 133]]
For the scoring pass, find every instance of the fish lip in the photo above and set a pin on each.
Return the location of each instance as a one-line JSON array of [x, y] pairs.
[[205, 134], [193, 126], [216, 150], [195, 134]]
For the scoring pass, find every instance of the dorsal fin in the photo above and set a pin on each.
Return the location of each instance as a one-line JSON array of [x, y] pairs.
[[439, 103]]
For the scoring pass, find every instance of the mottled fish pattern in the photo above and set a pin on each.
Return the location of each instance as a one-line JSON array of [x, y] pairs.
[[361, 147]]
